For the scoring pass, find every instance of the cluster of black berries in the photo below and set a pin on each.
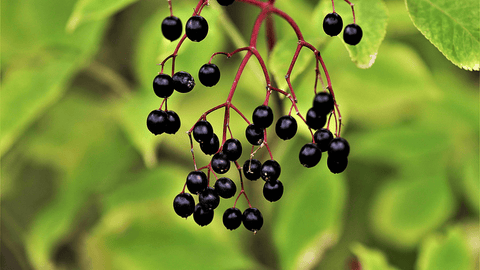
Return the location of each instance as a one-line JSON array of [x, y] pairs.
[[333, 24], [269, 171], [196, 28]]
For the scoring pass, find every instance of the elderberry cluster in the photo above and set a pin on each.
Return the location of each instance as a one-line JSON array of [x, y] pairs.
[[333, 24]]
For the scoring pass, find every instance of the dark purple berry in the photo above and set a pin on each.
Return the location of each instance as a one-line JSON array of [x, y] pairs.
[[332, 24], [232, 218], [339, 147], [286, 127], [202, 216], [252, 169], [270, 170], [262, 116], [225, 187], [273, 190], [323, 137], [220, 163], [210, 147], [209, 198], [173, 122], [157, 121], [310, 155], [172, 28], [183, 82], [184, 204], [225, 2], [163, 85], [323, 103], [209, 75], [315, 120], [197, 182], [254, 134], [196, 28], [337, 164], [352, 34], [252, 219], [202, 131], [232, 148]]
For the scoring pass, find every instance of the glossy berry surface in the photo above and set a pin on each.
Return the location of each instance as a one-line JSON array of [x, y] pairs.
[[202, 216], [202, 131], [209, 75], [232, 218], [163, 85], [323, 103], [273, 190], [337, 164], [286, 127], [183, 82], [196, 182], [332, 24], [352, 34], [262, 116], [252, 219], [323, 137], [173, 122], [211, 146], [196, 28], [254, 134], [339, 147], [252, 169], [270, 170], [315, 120], [171, 28], [157, 122], [232, 148], [184, 204], [225, 187], [310, 155], [209, 198], [225, 2], [220, 163]]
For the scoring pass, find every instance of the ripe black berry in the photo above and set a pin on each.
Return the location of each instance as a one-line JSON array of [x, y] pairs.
[[183, 82], [225, 187], [196, 28], [232, 148], [310, 155], [315, 120], [184, 204], [220, 163], [209, 75], [339, 147], [323, 103], [273, 190], [270, 170], [202, 216], [232, 218], [157, 121], [323, 137], [172, 28], [210, 147], [202, 131], [332, 24], [252, 219], [254, 134], [286, 127], [163, 85], [209, 198], [173, 122], [252, 169], [337, 164], [262, 116], [352, 34], [225, 2], [197, 182]]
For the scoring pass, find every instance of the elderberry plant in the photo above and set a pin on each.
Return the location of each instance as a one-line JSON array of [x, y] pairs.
[[324, 111]]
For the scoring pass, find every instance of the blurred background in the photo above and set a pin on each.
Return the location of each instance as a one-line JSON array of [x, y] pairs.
[[84, 185]]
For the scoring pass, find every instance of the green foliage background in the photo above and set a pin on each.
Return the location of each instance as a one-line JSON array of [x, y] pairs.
[[84, 185]]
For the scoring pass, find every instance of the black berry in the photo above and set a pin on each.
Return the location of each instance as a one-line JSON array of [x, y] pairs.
[[310, 155], [323, 103], [286, 127], [183, 82], [323, 137], [315, 120], [339, 147], [157, 121], [202, 216], [172, 28], [225, 187], [262, 116], [211, 146], [209, 75], [273, 190], [209, 198], [352, 34], [225, 2], [232, 148], [202, 131], [270, 170], [252, 219], [254, 134], [184, 204], [332, 24], [196, 28], [252, 169], [337, 164], [197, 182], [173, 122], [163, 85], [220, 163], [232, 218]]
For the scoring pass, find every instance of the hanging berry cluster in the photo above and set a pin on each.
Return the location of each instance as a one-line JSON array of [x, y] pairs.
[[230, 149]]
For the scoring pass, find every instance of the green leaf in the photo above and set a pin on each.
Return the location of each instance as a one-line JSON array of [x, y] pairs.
[[471, 183], [90, 10], [445, 252], [371, 259], [452, 26], [371, 16]]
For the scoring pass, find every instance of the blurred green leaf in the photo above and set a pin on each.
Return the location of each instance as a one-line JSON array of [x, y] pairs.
[[445, 252], [371, 259], [471, 183], [452, 27]]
